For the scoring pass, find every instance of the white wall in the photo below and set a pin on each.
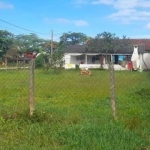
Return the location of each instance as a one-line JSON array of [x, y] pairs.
[[74, 60], [89, 60], [71, 60], [146, 59]]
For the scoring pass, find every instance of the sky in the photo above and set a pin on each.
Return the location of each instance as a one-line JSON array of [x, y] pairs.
[[91, 17]]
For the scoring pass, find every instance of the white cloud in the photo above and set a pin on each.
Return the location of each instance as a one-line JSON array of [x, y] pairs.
[[107, 2], [62, 20], [130, 15], [118, 4], [148, 26], [127, 4], [131, 4], [124, 4], [6, 6], [128, 11], [80, 23], [81, 2], [66, 21], [75, 22]]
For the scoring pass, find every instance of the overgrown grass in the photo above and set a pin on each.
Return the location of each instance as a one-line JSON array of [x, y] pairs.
[[73, 111]]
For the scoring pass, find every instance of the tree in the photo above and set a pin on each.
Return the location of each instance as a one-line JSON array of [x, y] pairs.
[[13, 51], [40, 60], [48, 45], [73, 38], [107, 42], [56, 61], [6, 40], [29, 43]]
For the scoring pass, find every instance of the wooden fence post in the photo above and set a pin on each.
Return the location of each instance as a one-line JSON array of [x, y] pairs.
[[112, 90], [5, 63], [17, 62], [32, 87]]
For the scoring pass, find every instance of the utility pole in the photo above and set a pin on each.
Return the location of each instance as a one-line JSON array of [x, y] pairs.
[[51, 42]]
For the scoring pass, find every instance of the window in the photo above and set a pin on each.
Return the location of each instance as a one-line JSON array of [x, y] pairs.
[[79, 57], [97, 57]]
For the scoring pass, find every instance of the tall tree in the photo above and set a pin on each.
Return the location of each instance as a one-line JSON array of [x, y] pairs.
[[48, 45], [13, 51], [73, 38], [107, 42], [6, 40], [30, 43]]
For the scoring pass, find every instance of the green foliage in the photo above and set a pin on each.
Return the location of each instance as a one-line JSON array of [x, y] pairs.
[[77, 67], [6, 40], [107, 42], [73, 38], [57, 61], [30, 43], [40, 60]]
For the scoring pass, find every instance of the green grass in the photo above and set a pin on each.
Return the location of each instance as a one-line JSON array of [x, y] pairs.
[[73, 111]]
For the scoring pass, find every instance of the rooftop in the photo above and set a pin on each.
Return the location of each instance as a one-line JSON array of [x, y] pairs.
[[143, 44]]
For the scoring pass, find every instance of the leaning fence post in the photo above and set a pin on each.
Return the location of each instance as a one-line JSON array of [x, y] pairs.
[[112, 90], [32, 87]]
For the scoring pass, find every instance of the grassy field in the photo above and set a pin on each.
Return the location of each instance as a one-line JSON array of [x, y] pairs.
[[73, 111]]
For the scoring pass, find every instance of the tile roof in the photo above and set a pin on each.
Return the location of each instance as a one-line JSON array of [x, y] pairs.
[[140, 42], [76, 49], [145, 42]]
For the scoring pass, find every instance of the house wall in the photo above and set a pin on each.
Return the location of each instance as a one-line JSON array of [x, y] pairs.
[[89, 60], [71, 60], [146, 61], [74, 60]]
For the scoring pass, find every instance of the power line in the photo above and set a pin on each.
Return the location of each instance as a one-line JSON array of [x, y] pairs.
[[7, 28], [21, 27]]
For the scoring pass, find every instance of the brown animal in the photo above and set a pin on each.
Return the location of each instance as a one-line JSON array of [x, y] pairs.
[[85, 72]]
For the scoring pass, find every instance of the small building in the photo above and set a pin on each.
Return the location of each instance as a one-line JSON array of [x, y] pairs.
[[79, 55], [29, 55]]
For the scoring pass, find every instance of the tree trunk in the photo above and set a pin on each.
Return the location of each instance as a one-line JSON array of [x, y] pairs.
[[101, 59]]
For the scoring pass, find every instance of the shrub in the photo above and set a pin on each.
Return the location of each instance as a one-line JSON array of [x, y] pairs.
[[40, 61], [77, 67]]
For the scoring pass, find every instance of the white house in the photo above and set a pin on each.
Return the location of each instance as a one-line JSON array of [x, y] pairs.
[[78, 55]]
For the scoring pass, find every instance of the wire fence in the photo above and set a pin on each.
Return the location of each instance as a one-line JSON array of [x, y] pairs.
[[33, 87], [54, 104]]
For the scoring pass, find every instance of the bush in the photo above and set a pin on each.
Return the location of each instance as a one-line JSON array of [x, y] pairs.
[[40, 61], [77, 67]]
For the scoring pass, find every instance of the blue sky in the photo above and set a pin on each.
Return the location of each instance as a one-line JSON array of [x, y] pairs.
[[122, 17]]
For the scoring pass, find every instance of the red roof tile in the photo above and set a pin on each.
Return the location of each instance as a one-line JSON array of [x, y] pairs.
[[145, 42]]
